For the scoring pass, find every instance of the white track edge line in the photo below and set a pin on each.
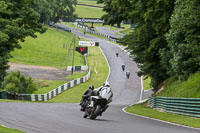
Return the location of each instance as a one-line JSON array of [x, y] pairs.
[[4, 126], [142, 88]]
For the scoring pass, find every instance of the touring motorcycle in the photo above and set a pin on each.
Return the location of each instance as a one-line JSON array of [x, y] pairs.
[[97, 104]]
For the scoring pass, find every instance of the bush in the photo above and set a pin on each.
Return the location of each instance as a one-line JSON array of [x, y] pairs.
[[16, 82]]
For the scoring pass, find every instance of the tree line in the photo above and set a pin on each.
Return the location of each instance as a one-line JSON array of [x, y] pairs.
[[22, 18], [165, 42]]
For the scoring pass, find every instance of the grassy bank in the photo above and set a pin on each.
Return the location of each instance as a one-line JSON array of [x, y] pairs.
[[143, 110], [99, 73], [48, 49], [189, 88]]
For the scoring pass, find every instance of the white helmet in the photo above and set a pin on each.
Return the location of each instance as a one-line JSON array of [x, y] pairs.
[[106, 84]]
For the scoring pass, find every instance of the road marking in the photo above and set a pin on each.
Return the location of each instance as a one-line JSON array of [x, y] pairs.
[[4, 126], [96, 63]]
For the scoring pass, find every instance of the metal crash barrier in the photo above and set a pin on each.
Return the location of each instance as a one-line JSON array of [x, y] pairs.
[[183, 106]]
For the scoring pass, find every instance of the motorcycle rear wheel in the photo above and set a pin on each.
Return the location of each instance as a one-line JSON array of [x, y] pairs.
[[96, 112]]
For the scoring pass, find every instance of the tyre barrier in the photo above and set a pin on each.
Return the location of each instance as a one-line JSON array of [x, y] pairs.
[[46, 96], [182, 106]]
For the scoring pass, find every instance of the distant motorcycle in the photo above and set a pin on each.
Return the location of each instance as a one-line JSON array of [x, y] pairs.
[[96, 105]]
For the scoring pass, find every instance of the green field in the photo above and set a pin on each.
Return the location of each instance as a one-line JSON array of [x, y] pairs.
[[48, 49], [97, 62], [88, 12]]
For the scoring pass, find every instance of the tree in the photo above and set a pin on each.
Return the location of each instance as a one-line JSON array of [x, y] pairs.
[[15, 82], [114, 14], [147, 40], [184, 39], [17, 21], [54, 10], [43, 7], [166, 40], [62, 9]]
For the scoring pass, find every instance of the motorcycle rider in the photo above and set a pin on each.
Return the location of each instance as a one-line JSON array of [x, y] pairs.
[[86, 96], [105, 85]]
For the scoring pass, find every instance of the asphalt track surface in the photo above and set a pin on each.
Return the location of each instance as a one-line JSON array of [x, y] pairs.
[[66, 118]]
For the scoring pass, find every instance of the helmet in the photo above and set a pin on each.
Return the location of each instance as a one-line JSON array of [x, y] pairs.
[[106, 84], [91, 87]]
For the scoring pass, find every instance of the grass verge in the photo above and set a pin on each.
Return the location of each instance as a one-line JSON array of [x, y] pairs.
[[146, 83], [141, 109], [45, 86], [9, 130], [99, 73], [76, 75]]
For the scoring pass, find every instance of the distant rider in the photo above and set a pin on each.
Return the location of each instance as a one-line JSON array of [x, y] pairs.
[[128, 74], [123, 67]]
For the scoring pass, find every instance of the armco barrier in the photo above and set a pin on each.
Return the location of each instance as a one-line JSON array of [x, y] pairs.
[[183, 106], [46, 96]]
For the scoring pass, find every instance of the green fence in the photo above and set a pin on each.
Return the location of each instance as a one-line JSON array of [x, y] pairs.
[[183, 106]]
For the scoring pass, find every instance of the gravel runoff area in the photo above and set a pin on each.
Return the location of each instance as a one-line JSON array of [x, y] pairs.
[[40, 72]]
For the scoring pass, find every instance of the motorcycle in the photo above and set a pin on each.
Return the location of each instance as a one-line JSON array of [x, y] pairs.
[[96, 105]]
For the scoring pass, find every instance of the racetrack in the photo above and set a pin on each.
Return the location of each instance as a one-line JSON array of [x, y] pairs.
[[66, 118]]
